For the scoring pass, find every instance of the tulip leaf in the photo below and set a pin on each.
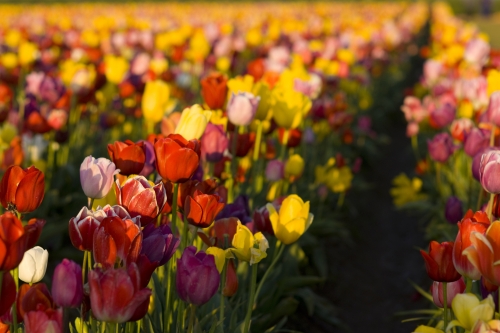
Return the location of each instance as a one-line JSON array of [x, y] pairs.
[[278, 326], [308, 296], [241, 327], [421, 291]]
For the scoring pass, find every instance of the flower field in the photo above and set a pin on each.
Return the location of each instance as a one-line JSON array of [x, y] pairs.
[[199, 167]]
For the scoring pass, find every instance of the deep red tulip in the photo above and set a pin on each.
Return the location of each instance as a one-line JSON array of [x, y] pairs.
[[12, 241], [33, 230], [22, 190], [37, 298], [201, 209], [214, 90], [177, 159], [141, 198], [222, 229], [294, 137], [256, 68], [117, 238], [128, 156], [262, 221], [7, 293], [115, 294], [439, 262], [231, 284], [244, 144]]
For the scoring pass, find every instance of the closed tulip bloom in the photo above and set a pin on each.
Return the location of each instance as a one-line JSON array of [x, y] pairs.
[[158, 243], [67, 286], [471, 222], [249, 247], [292, 220], [290, 107], [294, 167], [454, 288], [115, 68], [12, 241], [141, 198], [223, 231], [115, 294], [442, 116], [22, 190], [155, 100], [231, 284], [34, 264], [262, 221], [36, 297], [44, 321], [489, 171], [193, 122], [241, 108], [8, 293], [453, 210], [468, 309], [177, 159], [440, 147], [96, 176], [493, 113], [197, 278], [201, 209], [129, 157], [476, 161], [476, 141], [275, 170], [214, 90], [439, 262], [214, 143]]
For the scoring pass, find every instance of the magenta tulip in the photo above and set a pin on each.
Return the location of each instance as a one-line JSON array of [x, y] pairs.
[[213, 143], [489, 171], [67, 286], [440, 147]]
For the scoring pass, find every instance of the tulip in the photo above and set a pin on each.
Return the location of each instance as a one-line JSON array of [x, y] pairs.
[[158, 244], [488, 171], [460, 128], [115, 68], [241, 108], [214, 90], [96, 176], [51, 89], [294, 167], [453, 210], [12, 241], [67, 286], [427, 329], [249, 247], [453, 288], [244, 143], [219, 256], [193, 122], [292, 220], [208, 186], [289, 107], [231, 283], [478, 222], [476, 141], [442, 116], [468, 310], [155, 100], [115, 294], [493, 112], [36, 297], [439, 262], [222, 232], [33, 230], [22, 190], [275, 170], [493, 326], [34, 264], [214, 143], [485, 252], [177, 159], [262, 221], [476, 161], [141, 198], [201, 209], [293, 137], [7, 292], [440, 147], [44, 321], [116, 238], [150, 162], [197, 278], [128, 156]]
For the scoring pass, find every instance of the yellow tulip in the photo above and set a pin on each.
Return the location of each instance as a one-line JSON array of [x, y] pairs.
[[219, 255], [493, 80], [289, 107], [292, 220], [154, 100], [240, 84], [294, 167], [468, 310], [339, 179], [427, 329], [247, 246], [9, 60], [27, 53], [263, 90], [116, 68], [193, 122]]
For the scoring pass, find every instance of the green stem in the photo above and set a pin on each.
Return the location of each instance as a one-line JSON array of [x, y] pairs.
[[445, 304], [468, 286], [284, 145], [253, 281], [90, 202], [113, 327], [490, 206], [192, 318], [168, 293], [480, 198], [185, 236], [222, 285], [234, 160], [268, 271], [84, 266], [258, 139], [174, 207], [438, 178], [180, 317]]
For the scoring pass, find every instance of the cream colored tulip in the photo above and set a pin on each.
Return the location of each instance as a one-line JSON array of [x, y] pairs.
[[34, 264]]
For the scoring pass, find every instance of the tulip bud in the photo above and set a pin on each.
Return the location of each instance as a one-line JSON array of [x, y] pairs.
[[453, 210], [439, 262], [12, 241], [214, 90], [34, 264], [67, 286], [442, 116], [22, 190], [275, 170], [294, 167], [249, 247], [44, 321], [454, 288], [241, 108], [193, 122], [440, 147], [489, 170], [201, 209], [231, 284], [96, 176]]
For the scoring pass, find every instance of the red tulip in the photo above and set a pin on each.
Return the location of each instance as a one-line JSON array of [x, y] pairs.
[[46, 321], [244, 144], [128, 156], [37, 297], [33, 230], [7, 293], [22, 190], [12, 241], [201, 209], [439, 262], [141, 198], [177, 159], [115, 294], [231, 285], [222, 229], [214, 90], [294, 137], [262, 221], [117, 238], [208, 186]]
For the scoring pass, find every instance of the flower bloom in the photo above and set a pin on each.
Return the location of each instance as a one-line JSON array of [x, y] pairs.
[[214, 90], [96, 176], [22, 190], [8, 293], [454, 288], [177, 159], [493, 113], [275, 170], [468, 310], [201, 209], [34, 264], [249, 247], [44, 321], [67, 286], [193, 122], [460, 128], [262, 221], [214, 143], [241, 108], [12, 241], [475, 141], [439, 262], [453, 210], [155, 100], [440, 147], [292, 220], [294, 167], [115, 294], [197, 278], [128, 156], [158, 243], [489, 171], [289, 107]]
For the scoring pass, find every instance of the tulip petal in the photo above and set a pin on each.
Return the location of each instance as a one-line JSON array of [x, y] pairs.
[[8, 186], [30, 191]]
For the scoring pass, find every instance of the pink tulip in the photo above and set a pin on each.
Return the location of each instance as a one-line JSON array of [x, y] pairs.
[[96, 176], [67, 286]]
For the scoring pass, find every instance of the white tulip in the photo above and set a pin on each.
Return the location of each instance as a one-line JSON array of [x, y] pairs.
[[34, 264]]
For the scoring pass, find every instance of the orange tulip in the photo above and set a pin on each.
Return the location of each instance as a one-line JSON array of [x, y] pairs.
[[484, 253], [12, 241], [128, 156], [201, 209], [177, 158], [22, 190], [214, 90]]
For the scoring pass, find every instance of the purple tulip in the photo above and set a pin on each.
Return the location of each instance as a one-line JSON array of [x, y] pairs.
[[453, 211], [158, 244], [96, 176], [67, 286], [241, 108], [239, 208], [440, 147], [51, 89], [197, 278], [443, 116], [489, 171], [213, 143], [476, 161], [149, 164], [476, 141], [493, 113], [275, 170]]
